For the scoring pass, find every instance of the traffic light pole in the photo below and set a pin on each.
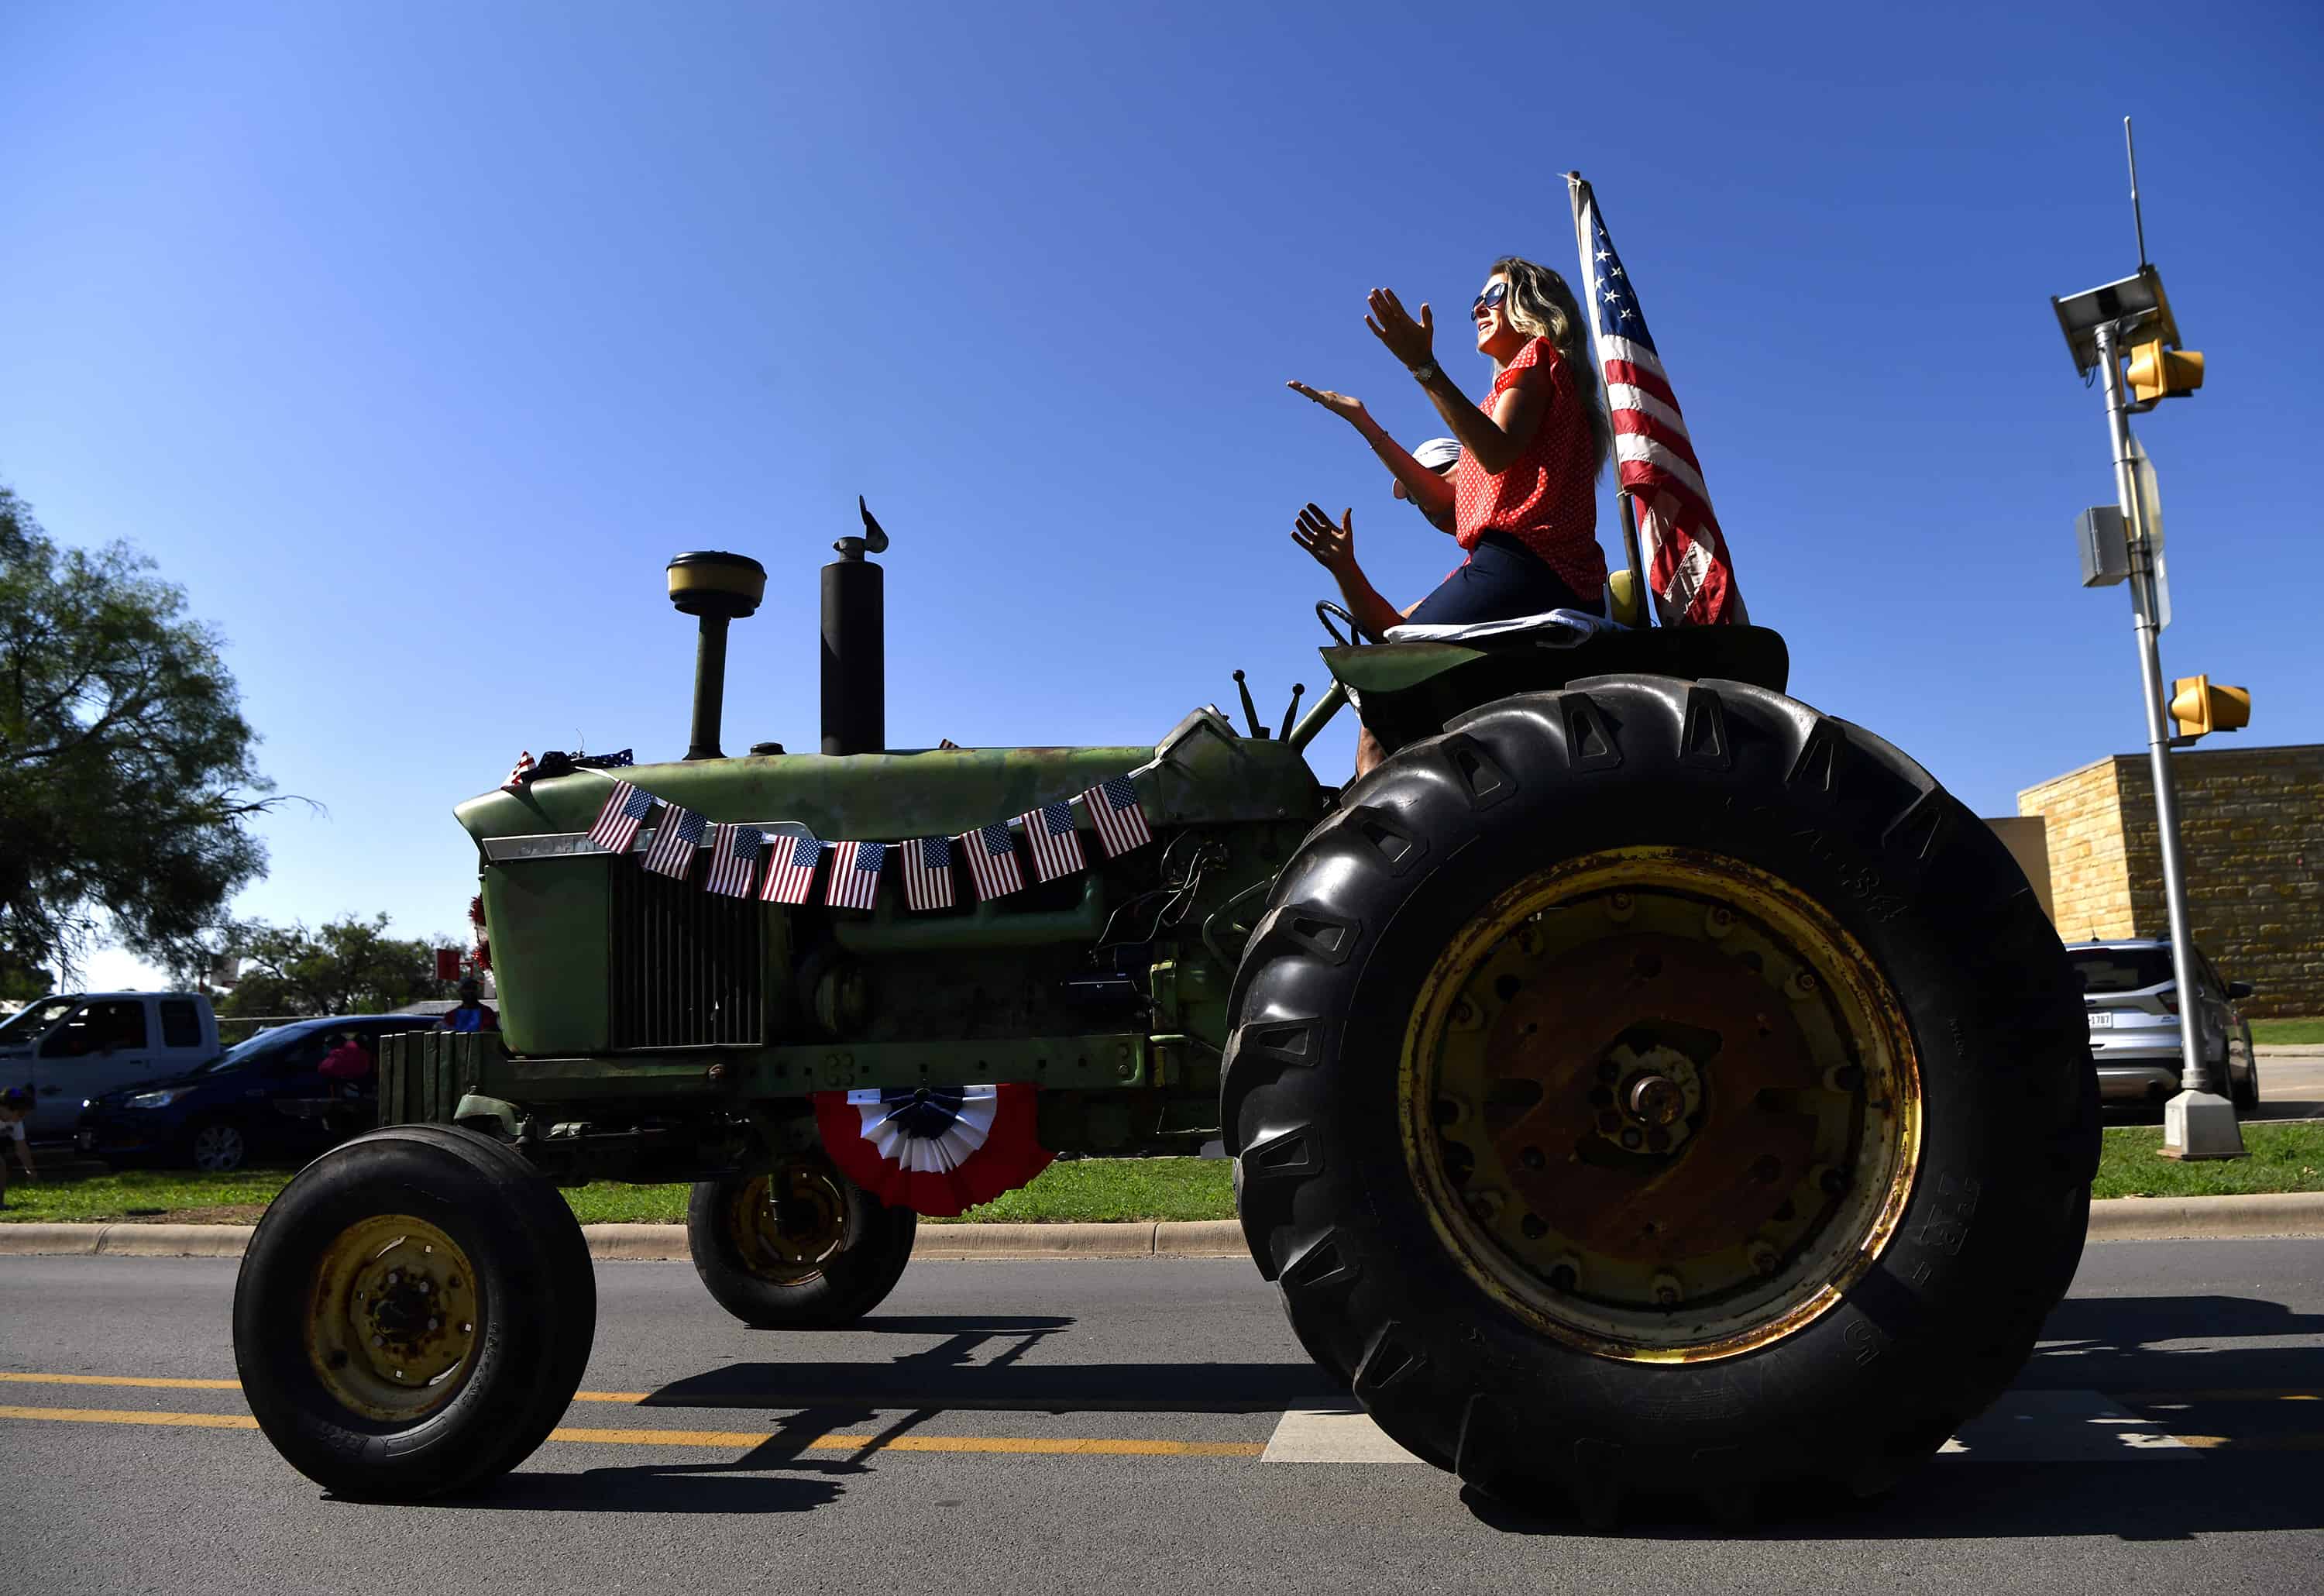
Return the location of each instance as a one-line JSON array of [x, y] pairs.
[[2198, 1123]]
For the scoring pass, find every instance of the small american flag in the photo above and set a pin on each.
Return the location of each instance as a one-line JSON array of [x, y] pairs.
[[1119, 820], [519, 773], [992, 855], [681, 832], [1686, 557], [1056, 847], [791, 863], [626, 808], [735, 852], [855, 875], [927, 873]]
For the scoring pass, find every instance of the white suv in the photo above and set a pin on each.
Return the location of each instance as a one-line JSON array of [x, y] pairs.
[[2133, 1000]]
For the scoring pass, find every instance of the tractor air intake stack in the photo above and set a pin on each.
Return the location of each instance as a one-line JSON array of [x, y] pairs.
[[855, 645], [716, 588]]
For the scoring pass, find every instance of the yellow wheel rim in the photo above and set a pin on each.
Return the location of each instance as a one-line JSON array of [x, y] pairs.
[[391, 1325], [1661, 1104], [785, 1226]]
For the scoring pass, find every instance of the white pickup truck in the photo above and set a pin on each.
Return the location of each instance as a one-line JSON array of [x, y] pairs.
[[76, 1046]]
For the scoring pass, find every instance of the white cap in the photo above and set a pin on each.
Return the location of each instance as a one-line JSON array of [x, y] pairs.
[[1438, 453]]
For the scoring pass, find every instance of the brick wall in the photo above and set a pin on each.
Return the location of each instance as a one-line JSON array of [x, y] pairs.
[[2252, 823]]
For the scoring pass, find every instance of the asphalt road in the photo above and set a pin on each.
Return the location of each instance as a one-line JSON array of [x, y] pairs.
[[1172, 1375]]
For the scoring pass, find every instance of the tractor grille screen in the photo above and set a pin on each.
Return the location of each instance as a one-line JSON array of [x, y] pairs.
[[688, 967]]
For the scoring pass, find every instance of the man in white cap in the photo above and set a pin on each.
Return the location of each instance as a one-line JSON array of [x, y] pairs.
[[1440, 455]]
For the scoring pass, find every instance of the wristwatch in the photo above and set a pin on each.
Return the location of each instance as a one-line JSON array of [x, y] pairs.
[[1426, 371]]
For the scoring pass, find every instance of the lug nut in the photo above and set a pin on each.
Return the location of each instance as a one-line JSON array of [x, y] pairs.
[[1657, 1099], [1666, 1291], [1621, 906], [1719, 922], [1762, 1257], [1804, 983]]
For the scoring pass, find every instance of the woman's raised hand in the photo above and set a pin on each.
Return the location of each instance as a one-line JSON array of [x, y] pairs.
[[1334, 546], [1342, 405], [1411, 342]]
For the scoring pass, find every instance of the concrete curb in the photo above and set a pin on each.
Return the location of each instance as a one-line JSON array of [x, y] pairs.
[[2118, 1218], [2185, 1219]]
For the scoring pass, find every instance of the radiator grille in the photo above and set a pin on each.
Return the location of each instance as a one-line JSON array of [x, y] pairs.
[[688, 967]]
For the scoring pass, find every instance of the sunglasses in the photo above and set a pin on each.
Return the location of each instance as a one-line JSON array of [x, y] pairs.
[[1490, 298]]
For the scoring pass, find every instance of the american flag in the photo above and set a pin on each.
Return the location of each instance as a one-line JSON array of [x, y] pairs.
[[992, 855], [735, 852], [681, 832], [1687, 561], [1057, 849], [791, 862], [626, 808], [927, 873], [855, 875], [519, 773], [1120, 818]]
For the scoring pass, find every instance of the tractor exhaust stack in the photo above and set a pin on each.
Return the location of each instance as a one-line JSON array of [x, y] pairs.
[[855, 644], [716, 588]]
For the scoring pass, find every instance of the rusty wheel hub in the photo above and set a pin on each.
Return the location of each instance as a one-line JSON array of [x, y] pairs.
[[393, 1317], [785, 1225], [1670, 1107]]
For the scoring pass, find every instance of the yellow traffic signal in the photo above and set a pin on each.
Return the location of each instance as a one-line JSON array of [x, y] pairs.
[[2157, 373], [2200, 708]]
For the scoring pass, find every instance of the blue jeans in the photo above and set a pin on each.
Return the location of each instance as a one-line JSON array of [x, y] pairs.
[[1503, 578]]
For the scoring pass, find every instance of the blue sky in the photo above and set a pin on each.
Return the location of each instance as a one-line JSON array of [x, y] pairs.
[[413, 340]]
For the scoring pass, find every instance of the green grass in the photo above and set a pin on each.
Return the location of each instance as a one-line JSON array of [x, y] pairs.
[[2283, 1158], [1087, 1189], [176, 1193], [2287, 1033]]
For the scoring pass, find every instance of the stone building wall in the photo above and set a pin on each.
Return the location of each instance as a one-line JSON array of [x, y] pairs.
[[2252, 821]]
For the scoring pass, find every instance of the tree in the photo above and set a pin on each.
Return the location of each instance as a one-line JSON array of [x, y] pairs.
[[128, 781], [349, 966]]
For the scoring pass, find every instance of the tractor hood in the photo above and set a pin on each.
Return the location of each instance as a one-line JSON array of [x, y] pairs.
[[1203, 772]]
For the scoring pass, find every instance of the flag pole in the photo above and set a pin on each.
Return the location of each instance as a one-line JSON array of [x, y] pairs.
[[1578, 192]]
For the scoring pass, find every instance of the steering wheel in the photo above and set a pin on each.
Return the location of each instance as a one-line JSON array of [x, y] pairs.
[[1325, 609]]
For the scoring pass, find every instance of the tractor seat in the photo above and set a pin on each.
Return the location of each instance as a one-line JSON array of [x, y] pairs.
[[1552, 629]]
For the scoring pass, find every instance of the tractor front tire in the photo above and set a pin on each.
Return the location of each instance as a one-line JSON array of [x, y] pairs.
[[1657, 1088], [800, 1247], [414, 1313]]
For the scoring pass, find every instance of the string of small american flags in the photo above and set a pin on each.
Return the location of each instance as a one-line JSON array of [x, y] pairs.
[[786, 865]]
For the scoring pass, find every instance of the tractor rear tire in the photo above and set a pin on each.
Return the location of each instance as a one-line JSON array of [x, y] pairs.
[[414, 1313], [1659, 1089], [799, 1247]]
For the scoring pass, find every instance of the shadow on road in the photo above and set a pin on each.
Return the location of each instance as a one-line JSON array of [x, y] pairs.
[[968, 1371], [2114, 1344], [1955, 1500]]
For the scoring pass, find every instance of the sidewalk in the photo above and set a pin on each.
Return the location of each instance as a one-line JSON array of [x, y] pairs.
[[2119, 1218]]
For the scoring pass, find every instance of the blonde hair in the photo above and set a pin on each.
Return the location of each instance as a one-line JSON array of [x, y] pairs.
[[1540, 304]]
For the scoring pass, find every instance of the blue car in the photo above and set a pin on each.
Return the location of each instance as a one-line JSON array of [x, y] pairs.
[[265, 1100]]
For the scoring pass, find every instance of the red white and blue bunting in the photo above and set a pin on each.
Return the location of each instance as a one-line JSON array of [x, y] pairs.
[[785, 865], [937, 1150]]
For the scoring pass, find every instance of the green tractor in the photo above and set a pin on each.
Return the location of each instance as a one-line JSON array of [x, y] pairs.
[[1640, 1083]]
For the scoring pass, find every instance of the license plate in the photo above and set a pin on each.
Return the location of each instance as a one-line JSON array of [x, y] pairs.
[[2101, 1019]]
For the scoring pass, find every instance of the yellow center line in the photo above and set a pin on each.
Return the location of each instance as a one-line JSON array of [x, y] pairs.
[[152, 1382], [133, 1416], [1046, 1446], [124, 1380]]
